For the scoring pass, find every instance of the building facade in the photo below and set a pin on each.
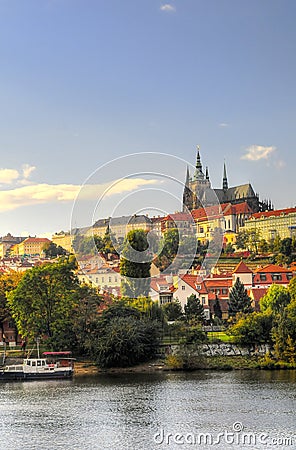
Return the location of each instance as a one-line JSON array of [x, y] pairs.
[[270, 224]]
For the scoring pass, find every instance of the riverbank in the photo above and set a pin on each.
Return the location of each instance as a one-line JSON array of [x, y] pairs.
[[88, 368]]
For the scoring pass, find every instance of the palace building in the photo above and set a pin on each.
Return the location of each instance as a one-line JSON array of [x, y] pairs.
[[198, 191]]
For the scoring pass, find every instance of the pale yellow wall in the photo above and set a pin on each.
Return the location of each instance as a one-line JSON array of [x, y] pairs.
[[269, 227], [64, 240]]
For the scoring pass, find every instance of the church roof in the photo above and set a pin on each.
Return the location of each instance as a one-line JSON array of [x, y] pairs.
[[235, 193]]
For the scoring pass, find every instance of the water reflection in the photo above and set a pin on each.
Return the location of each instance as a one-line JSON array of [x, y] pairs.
[[126, 411]]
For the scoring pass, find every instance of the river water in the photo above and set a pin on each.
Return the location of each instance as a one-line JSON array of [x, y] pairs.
[[200, 410]]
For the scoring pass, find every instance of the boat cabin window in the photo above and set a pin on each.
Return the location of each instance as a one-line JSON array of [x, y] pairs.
[[43, 363], [39, 363], [28, 363], [33, 363]]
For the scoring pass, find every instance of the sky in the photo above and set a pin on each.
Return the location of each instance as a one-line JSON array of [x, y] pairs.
[[85, 82]]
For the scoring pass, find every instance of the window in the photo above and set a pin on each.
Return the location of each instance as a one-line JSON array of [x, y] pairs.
[[198, 287], [183, 288], [109, 280], [203, 300], [33, 363], [262, 277], [39, 363], [276, 277], [103, 279], [224, 291], [115, 279]]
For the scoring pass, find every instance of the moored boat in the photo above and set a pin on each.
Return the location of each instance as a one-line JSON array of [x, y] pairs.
[[53, 365]]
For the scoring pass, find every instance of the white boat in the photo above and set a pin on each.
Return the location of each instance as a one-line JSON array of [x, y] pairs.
[[53, 365]]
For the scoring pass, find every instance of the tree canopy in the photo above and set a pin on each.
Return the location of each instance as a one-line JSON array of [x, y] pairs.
[[44, 299], [194, 310], [123, 338], [239, 301], [134, 266], [276, 299]]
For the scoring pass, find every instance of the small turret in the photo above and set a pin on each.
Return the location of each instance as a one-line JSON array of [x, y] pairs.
[[225, 181]]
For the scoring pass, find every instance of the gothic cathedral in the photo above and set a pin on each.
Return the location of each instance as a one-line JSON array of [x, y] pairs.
[[198, 192]]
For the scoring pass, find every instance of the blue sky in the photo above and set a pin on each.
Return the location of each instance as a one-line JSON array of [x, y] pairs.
[[85, 81]]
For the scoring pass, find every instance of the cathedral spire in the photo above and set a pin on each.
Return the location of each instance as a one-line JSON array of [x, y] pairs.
[[225, 181], [198, 162], [198, 175], [187, 177]]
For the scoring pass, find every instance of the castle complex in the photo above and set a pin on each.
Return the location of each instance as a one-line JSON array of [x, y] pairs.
[[199, 193]]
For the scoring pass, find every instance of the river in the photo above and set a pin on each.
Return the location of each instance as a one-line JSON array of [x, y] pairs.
[[200, 410]]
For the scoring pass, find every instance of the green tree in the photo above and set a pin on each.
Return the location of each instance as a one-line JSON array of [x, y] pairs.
[[286, 246], [85, 315], [248, 240], [194, 310], [122, 338], [253, 240], [51, 250], [43, 302], [276, 299], [108, 243], [239, 301], [292, 289], [8, 282], [173, 311], [229, 248], [275, 244], [168, 249], [253, 330], [217, 309], [263, 246], [242, 239], [135, 273]]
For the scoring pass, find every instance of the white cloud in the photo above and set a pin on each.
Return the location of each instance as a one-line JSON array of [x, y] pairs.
[[45, 193], [167, 7], [8, 176], [257, 152], [27, 170], [223, 125]]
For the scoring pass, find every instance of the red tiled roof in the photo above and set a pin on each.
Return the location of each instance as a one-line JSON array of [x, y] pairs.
[[216, 211], [210, 283], [193, 281], [272, 268], [36, 240], [242, 268], [179, 217], [276, 213], [241, 208], [209, 211]]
